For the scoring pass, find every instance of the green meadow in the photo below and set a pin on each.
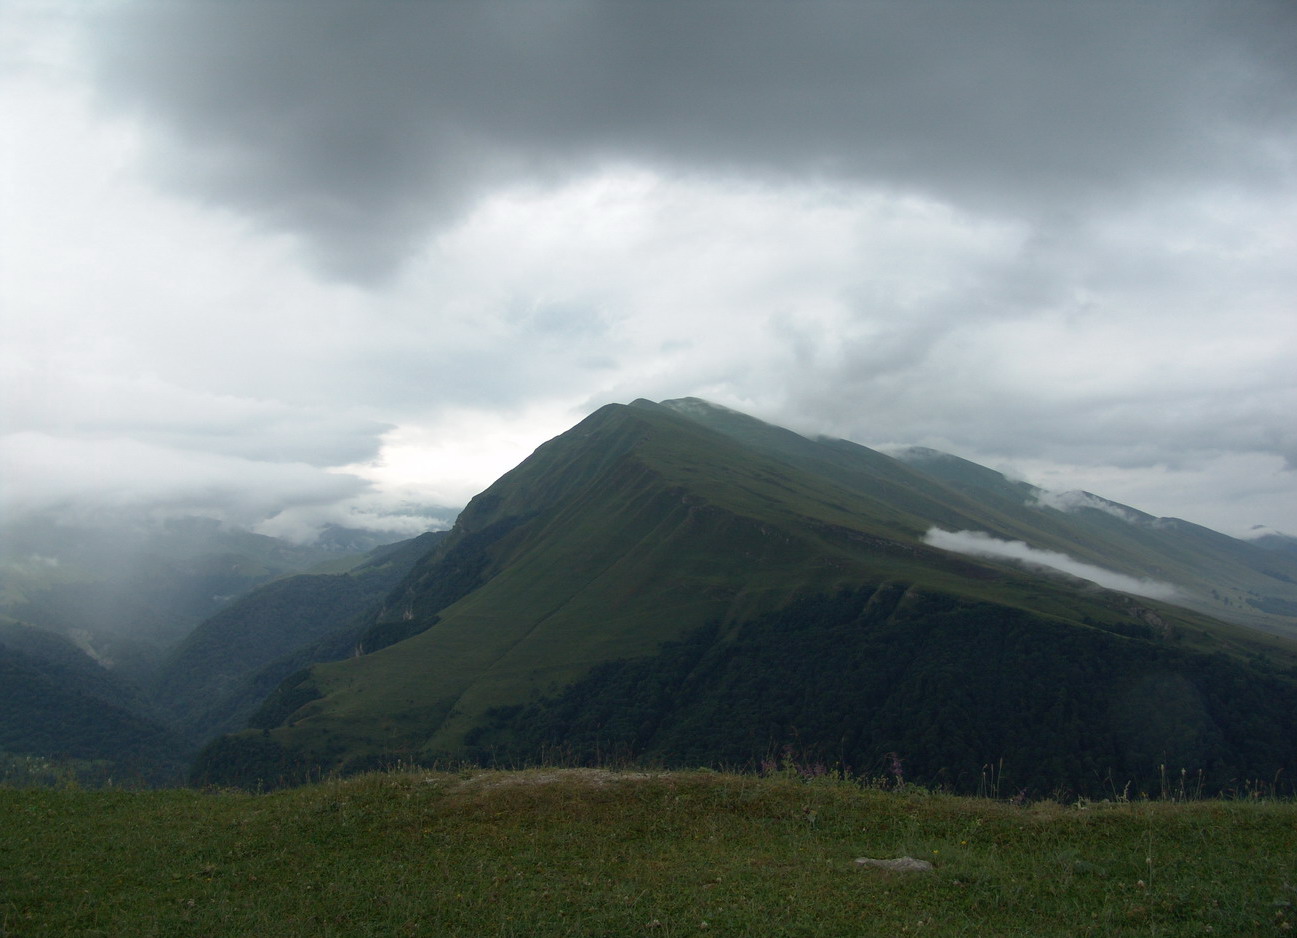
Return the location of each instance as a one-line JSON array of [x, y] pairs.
[[591, 852]]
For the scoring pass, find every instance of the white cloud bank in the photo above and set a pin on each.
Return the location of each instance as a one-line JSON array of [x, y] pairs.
[[326, 261], [1075, 500], [979, 544]]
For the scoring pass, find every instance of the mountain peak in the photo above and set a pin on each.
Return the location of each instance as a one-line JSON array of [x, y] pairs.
[[692, 531]]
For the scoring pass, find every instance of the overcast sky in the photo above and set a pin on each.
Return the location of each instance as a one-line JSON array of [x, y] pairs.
[[296, 262]]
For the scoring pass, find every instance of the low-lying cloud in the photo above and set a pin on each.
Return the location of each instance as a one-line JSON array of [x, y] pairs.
[[52, 473], [980, 544], [1076, 499]]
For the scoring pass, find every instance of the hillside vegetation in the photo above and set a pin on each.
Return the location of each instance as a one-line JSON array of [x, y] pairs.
[[67, 710], [60, 708], [586, 852], [950, 693], [551, 622], [218, 676]]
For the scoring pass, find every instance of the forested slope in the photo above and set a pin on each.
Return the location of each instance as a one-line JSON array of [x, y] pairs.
[[936, 689]]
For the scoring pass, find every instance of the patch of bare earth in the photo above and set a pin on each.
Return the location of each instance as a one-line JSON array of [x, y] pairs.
[[591, 778]]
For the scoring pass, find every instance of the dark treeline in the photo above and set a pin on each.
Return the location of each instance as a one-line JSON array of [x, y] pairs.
[[44, 710], [938, 690]]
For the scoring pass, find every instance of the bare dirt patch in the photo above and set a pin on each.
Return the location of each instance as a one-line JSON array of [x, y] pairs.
[[590, 778]]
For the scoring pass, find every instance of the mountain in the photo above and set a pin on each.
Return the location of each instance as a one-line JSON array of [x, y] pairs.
[[126, 590], [685, 584], [63, 715], [1251, 582], [219, 674], [90, 612]]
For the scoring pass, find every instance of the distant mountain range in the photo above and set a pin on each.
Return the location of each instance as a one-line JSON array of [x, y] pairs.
[[681, 584], [109, 670], [217, 677], [125, 590]]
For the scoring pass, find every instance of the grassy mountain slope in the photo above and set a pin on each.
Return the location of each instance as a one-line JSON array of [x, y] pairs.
[[1225, 577], [646, 522], [213, 681], [1237, 580]]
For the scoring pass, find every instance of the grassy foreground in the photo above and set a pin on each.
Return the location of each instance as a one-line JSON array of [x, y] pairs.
[[586, 852]]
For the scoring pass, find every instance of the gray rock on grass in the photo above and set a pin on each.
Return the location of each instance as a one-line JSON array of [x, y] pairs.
[[898, 865]]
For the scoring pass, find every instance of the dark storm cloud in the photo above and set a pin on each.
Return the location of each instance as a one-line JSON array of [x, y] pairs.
[[361, 126], [1049, 234]]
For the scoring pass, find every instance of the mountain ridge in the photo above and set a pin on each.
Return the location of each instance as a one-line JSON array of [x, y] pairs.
[[645, 522]]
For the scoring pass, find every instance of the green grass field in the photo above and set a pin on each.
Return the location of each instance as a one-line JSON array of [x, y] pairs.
[[588, 852]]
